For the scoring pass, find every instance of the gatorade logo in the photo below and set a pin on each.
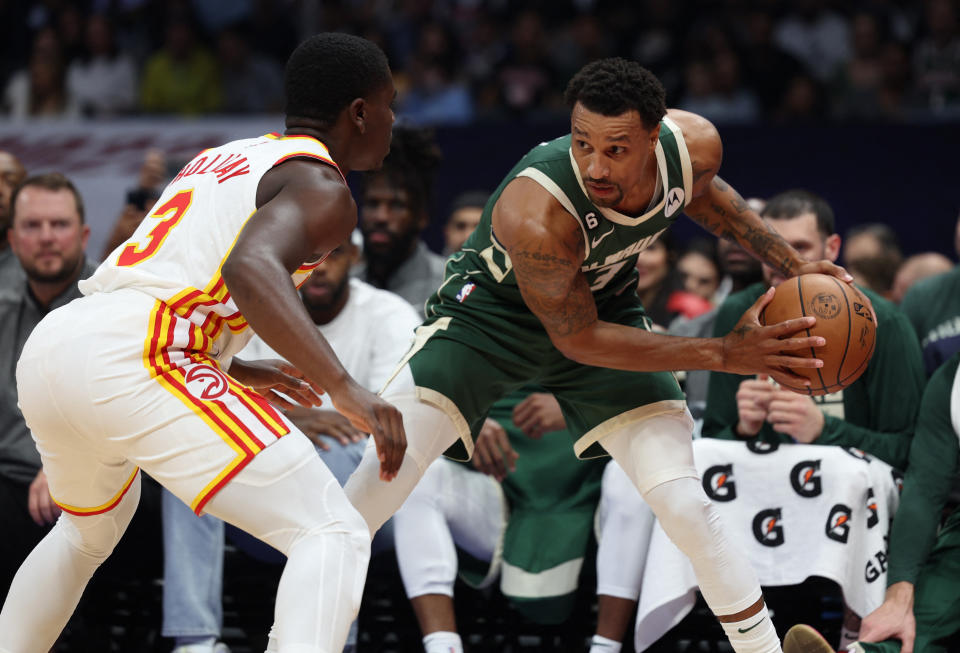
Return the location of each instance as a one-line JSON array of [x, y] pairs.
[[838, 523], [805, 478], [897, 479], [767, 528], [872, 517], [718, 483]]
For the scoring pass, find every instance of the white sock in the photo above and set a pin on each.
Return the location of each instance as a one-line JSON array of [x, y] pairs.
[[603, 645], [754, 634], [442, 642]]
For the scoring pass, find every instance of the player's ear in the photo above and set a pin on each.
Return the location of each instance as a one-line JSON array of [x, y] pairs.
[[358, 114], [654, 137], [831, 250]]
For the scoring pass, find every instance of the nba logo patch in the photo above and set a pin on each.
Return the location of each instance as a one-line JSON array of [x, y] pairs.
[[465, 291]]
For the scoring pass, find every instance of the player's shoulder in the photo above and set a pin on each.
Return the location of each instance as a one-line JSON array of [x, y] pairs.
[[697, 130], [924, 289]]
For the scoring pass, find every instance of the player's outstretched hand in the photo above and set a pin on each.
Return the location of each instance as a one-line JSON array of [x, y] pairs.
[[834, 270], [539, 413], [492, 453], [271, 377], [893, 619], [371, 414], [751, 348]]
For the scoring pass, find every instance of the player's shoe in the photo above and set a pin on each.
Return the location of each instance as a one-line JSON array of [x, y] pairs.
[[804, 639]]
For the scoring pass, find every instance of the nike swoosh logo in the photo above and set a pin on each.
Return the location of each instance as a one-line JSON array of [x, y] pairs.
[[745, 630], [597, 241]]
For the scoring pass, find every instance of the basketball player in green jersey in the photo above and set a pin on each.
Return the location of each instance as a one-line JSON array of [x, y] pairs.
[[543, 292]]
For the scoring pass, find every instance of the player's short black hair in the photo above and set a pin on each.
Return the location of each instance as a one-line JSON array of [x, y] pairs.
[[796, 202], [413, 160], [330, 70], [614, 86]]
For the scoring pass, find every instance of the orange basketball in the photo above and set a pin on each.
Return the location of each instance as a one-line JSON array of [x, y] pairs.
[[844, 320]]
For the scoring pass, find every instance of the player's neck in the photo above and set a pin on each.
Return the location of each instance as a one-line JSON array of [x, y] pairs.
[[639, 199]]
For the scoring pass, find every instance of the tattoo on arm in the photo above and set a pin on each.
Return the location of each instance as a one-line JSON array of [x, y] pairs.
[[554, 289]]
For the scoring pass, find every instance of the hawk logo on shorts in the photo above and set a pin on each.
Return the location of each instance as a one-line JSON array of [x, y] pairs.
[[767, 528], [805, 478], [674, 201], [465, 292], [206, 382], [718, 483], [838, 523]]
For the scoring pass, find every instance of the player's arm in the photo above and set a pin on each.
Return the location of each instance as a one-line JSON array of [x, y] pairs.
[[303, 211], [720, 209], [546, 248]]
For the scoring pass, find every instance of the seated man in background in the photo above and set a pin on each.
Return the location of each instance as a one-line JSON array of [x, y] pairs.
[[876, 413], [921, 611], [526, 517], [873, 256], [11, 174], [465, 212], [369, 329]]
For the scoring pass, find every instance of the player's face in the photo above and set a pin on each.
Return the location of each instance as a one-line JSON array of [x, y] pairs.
[[460, 225], [802, 234], [325, 287], [613, 154], [47, 234]]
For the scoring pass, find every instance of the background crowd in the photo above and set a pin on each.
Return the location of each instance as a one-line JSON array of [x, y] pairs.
[[456, 63]]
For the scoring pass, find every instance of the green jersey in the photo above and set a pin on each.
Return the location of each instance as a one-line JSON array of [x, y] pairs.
[[611, 240], [933, 306]]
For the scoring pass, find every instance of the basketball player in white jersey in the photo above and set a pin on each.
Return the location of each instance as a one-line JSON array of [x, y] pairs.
[[140, 372]]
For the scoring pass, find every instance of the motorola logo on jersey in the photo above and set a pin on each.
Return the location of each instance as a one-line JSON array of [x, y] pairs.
[[206, 382], [767, 528], [872, 518], [805, 478], [858, 454], [674, 201], [718, 483], [759, 446], [838, 523]]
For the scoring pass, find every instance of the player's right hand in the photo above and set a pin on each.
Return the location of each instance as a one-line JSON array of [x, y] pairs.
[[752, 348], [894, 619], [382, 420]]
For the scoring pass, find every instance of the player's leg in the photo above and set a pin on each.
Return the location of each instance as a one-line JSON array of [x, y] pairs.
[[443, 388], [657, 455], [625, 522], [290, 500], [451, 506], [192, 574]]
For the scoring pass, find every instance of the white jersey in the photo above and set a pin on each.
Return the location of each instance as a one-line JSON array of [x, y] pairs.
[[177, 252]]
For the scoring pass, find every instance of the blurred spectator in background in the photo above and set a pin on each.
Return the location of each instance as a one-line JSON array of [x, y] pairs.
[[436, 95], [581, 40], [102, 80], [768, 68], [872, 255], [802, 101], [527, 80], [182, 76], [816, 35], [857, 81], [394, 209], [40, 90], [917, 268], [464, 217], [150, 183], [699, 270], [70, 27], [933, 307], [936, 61], [657, 279], [11, 174], [715, 90], [251, 83]]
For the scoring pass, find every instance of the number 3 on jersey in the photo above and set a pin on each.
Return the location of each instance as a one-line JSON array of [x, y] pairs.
[[175, 208]]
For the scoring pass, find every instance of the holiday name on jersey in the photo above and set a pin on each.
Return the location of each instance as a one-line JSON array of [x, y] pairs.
[[223, 166]]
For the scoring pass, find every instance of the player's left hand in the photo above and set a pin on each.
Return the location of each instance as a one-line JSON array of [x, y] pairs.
[[39, 502], [270, 377], [796, 415], [539, 413], [492, 453]]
